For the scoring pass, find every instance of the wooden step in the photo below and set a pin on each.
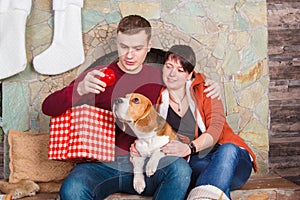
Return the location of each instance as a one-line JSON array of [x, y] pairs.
[[259, 187], [267, 187]]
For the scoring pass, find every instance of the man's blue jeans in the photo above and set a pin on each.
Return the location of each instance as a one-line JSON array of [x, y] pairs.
[[228, 168], [98, 180]]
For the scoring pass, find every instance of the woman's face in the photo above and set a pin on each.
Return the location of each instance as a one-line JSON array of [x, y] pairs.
[[174, 75]]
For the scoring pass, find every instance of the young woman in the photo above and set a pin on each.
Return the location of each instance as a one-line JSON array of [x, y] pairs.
[[220, 160]]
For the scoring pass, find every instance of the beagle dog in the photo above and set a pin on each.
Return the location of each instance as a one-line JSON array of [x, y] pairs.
[[150, 128]]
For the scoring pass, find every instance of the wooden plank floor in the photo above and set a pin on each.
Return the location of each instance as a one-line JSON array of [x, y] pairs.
[[259, 187]]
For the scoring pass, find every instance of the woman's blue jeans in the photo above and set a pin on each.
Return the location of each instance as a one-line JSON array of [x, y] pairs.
[[98, 180], [228, 168]]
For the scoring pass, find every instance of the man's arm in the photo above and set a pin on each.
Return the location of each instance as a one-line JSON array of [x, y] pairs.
[[81, 90], [60, 101]]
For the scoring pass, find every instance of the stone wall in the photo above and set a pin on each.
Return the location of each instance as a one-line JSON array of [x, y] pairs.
[[229, 38], [284, 96]]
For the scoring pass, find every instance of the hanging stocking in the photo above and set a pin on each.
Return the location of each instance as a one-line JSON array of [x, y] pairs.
[[13, 16], [66, 51]]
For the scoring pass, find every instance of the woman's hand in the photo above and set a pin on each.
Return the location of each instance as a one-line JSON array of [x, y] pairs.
[[133, 151], [91, 83], [213, 90], [176, 148]]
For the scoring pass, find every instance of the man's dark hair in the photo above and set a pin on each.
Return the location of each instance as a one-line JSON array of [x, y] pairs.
[[133, 24]]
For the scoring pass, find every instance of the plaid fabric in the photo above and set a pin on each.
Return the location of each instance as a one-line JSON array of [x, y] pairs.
[[83, 132]]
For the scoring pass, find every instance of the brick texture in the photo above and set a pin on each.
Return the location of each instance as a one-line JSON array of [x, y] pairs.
[[284, 91]]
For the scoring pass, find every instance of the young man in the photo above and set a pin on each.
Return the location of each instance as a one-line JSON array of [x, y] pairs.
[[97, 180]]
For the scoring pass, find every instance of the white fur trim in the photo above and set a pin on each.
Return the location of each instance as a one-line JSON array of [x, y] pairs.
[[11, 5], [200, 122], [62, 4], [163, 109]]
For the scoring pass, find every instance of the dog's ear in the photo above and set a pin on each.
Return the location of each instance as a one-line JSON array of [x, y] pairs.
[[164, 128], [123, 126], [147, 110], [161, 123], [146, 118]]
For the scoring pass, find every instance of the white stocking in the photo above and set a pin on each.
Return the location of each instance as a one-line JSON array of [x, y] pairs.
[[66, 51], [13, 17]]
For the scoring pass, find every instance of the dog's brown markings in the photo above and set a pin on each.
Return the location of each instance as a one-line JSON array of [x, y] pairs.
[[138, 109], [165, 129], [150, 120], [146, 119]]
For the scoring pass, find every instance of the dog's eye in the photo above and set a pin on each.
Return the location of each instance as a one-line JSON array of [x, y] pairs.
[[136, 100]]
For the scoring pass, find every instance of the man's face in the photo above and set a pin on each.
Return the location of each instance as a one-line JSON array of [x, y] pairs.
[[132, 50]]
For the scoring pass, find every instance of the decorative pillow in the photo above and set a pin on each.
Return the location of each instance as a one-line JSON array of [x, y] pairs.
[[29, 159]]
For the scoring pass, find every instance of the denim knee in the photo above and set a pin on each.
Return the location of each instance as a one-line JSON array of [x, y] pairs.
[[75, 189], [180, 171], [175, 175], [182, 168], [228, 151]]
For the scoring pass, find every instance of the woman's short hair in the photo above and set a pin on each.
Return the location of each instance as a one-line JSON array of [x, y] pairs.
[[184, 54]]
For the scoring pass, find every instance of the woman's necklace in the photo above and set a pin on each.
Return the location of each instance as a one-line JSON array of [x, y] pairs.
[[178, 103]]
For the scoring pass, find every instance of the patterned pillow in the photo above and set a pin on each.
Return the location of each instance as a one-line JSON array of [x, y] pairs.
[[29, 159]]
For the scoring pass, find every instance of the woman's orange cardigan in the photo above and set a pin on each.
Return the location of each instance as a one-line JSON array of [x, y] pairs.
[[213, 119]]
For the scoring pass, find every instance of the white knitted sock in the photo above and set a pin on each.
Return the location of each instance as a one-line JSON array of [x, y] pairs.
[[66, 51], [13, 16], [207, 192]]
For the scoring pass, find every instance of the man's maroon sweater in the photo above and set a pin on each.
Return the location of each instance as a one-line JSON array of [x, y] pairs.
[[147, 82]]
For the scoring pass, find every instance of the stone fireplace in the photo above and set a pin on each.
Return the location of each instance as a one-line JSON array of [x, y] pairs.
[[228, 37]]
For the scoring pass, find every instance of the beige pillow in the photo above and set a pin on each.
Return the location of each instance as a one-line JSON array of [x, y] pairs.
[[29, 159]]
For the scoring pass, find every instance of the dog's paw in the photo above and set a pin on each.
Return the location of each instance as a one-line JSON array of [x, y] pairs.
[[139, 184], [151, 168]]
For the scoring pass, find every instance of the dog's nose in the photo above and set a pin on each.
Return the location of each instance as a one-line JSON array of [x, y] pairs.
[[118, 100]]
